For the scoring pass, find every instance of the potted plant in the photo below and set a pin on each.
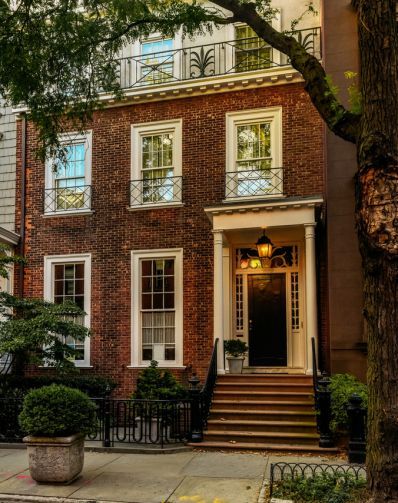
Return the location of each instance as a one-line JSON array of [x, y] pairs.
[[155, 417], [236, 350], [56, 419]]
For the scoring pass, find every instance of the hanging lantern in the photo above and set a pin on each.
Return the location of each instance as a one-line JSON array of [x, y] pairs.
[[264, 247]]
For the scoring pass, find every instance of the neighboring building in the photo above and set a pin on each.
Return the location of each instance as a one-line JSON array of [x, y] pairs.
[[152, 225], [7, 175], [346, 322]]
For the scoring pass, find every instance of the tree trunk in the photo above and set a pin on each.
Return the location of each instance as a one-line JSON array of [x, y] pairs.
[[377, 221]]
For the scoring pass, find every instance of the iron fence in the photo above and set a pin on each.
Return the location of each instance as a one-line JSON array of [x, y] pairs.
[[162, 190], [157, 422], [209, 60], [288, 471]]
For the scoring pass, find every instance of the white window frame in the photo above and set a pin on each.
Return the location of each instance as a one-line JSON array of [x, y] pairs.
[[154, 37], [273, 115], [153, 128], [66, 139], [48, 291], [136, 338]]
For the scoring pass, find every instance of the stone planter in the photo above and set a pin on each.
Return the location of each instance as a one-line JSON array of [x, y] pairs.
[[55, 459], [235, 364]]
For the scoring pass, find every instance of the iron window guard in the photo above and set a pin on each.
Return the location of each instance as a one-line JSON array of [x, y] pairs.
[[60, 199], [254, 183], [151, 191]]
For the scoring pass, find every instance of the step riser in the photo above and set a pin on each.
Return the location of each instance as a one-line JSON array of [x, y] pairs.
[[215, 436], [256, 378], [297, 407], [272, 396], [253, 415], [263, 429], [237, 388]]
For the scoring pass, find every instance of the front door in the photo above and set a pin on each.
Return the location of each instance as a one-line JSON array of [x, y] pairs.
[[267, 320]]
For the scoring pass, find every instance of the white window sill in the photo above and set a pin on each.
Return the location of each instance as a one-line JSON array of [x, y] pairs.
[[77, 365], [139, 207], [160, 366], [67, 213], [253, 198]]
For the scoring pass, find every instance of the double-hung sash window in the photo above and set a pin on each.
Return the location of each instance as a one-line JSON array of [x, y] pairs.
[[254, 154], [68, 181], [157, 307], [156, 164], [68, 279], [251, 52], [157, 61]]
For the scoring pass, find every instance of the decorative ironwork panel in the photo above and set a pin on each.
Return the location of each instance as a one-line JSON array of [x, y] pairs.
[[239, 303], [247, 258], [209, 60], [67, 199], [156, 191], [254, 182], [294, 292]]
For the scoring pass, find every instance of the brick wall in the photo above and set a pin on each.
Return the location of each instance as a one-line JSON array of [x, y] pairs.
[[112, 231]]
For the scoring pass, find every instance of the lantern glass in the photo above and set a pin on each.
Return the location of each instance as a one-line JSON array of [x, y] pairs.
[[264, 247]]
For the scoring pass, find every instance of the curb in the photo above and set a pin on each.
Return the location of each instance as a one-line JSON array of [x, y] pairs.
[[19, 498]]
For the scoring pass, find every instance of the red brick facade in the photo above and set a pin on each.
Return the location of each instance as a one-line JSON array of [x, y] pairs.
[[112, 231]]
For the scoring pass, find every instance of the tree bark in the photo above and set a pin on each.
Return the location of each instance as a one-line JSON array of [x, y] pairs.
[[377, 223]]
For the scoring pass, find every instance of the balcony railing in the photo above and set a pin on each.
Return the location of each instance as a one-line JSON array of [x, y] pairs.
[[210, 60], [67, 199], [254, 183], [151, 191]]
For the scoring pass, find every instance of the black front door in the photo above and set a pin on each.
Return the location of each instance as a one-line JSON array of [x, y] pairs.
[[267, 320]]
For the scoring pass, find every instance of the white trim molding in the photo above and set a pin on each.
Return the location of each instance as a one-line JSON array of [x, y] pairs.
[[72, 138], [8, 237], [48, 291], [136, 257], [138, 131]]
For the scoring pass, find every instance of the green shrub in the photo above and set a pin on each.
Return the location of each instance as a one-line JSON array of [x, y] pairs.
[[342, 387], [154, 384], [57, 410], [12, 386], [235, 347], [322, 488]]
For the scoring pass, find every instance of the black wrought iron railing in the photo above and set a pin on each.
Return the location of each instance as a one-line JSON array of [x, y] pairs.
[[254, 183], [209, 60], [151, 422], [156, 191], [314, 368], [207, 392], [61, 199]]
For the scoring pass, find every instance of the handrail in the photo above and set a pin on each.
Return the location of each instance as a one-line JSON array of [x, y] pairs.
[[206, 394], [314, 367]]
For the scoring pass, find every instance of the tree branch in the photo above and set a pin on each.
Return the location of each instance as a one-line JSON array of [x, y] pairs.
[[339, 120]]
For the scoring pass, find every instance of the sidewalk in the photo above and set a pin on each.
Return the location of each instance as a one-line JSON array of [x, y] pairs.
[[193, 476]]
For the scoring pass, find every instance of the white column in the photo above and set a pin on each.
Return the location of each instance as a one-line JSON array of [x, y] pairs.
[[218, 298], [310, 290]]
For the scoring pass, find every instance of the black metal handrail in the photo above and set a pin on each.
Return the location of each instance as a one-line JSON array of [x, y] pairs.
[[314, 368], [208, 388], [210, 60]]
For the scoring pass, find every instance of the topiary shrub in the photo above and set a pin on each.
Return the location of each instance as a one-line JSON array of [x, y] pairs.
[[342, 387], [155, 384], [57, 411]]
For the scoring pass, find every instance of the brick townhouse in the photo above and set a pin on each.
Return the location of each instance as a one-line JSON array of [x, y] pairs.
[[153, 225]]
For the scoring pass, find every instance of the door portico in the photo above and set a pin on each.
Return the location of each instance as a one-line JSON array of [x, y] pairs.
[[241, 293]]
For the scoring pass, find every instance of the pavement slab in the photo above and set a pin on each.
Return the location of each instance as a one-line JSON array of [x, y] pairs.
[[216, 490], [218, 464]]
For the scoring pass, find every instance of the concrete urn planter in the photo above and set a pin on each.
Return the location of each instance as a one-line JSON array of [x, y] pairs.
[[235, 364], [55, 459]]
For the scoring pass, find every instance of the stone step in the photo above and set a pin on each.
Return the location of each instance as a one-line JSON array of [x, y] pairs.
[[259, 426], [263, 415], [263, 405], [274, 378], [247, 385], [263, 446], [261, 437], [291, 396]]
